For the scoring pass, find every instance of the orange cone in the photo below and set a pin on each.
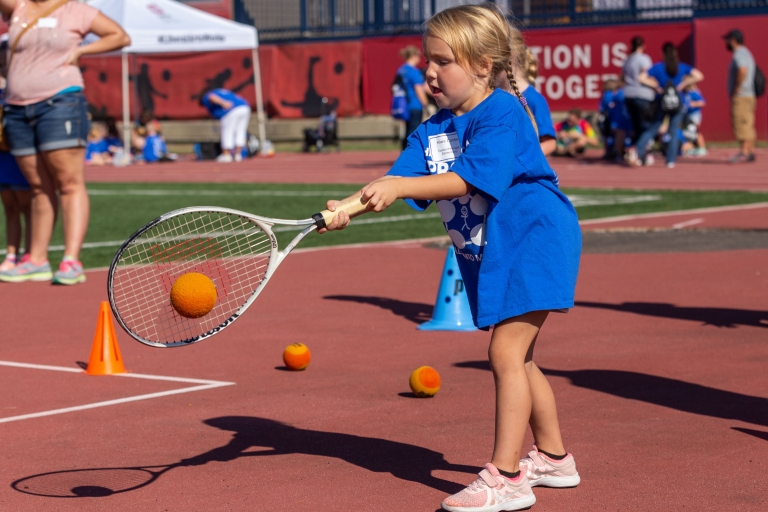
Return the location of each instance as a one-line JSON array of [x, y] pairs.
[[105, 354]]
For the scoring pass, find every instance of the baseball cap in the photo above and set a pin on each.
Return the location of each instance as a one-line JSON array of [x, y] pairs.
[[736, 35]]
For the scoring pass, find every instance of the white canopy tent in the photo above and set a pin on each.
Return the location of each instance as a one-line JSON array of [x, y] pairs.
[[167, 26]]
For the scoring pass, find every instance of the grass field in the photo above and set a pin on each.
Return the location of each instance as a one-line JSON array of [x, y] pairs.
[[117, 210]]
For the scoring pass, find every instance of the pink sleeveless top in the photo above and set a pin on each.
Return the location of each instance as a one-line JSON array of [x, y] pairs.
[[39, 69]]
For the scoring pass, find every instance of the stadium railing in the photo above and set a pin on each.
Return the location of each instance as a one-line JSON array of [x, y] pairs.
[[285, 20]]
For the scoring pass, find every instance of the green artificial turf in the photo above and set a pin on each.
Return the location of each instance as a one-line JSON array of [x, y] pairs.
[[117, 210]]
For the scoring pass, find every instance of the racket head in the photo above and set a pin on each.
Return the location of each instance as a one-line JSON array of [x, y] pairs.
[[235, 250]]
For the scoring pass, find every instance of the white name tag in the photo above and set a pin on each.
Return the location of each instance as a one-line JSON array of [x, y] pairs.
[[445, 147], [47, 22]]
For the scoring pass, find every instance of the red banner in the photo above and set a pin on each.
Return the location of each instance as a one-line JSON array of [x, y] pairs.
[[713, 59], [573, 63], [295, 79]]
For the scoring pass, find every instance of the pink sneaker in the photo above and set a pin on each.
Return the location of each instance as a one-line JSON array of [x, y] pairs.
[[545, 472], [492, 493]]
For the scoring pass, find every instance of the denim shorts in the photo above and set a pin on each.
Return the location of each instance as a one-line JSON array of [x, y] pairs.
[[59, 122]]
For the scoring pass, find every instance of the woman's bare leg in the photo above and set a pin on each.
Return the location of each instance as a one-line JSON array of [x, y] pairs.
[[44, 205], [67, 166]]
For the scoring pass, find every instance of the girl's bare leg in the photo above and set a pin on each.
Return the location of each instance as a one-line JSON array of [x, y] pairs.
[[511, 343]]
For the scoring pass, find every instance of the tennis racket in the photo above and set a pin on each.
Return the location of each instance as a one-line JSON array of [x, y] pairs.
[[236, 250]]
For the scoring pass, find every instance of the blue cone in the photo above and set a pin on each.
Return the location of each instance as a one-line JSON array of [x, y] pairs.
[[451, 311]]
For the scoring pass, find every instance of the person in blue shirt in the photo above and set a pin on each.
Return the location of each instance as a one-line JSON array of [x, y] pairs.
[[155, 149], [694, 102], [415, 90], [234, 114], [515, 235], [604, 117], [673, 76]]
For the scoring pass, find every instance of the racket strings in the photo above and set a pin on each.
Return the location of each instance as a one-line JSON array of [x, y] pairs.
[[230, 250]]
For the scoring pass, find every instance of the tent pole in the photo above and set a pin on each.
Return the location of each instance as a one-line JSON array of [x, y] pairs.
[[259, 100], [126, 108]]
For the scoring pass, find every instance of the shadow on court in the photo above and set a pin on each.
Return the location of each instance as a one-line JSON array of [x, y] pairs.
[[719, 317], [757, 433], [404, 461], [672, 393], [415, 312]]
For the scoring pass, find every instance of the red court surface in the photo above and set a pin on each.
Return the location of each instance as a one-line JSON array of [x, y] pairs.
[[659, 372], [709, 173]]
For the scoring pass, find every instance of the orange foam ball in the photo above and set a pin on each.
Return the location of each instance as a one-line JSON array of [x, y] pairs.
[[193, 295], [296, 356], [425, 381]]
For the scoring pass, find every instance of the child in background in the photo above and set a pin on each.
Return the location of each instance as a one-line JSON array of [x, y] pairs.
[[17, 200], [15, 193], [604, 117], [155, 149], [97, 150], [695, 101], [515, 235], [574, 135]]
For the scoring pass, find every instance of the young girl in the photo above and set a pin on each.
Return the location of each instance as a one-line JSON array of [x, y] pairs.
[[516, 238]]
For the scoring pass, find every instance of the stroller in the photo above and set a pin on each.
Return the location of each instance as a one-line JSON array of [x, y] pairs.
[[326, 133]]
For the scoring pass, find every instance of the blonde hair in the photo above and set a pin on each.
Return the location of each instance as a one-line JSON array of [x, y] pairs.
[[409, 51], [478, 35], [531, 67]]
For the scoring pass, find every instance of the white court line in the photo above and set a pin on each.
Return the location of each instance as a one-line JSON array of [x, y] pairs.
[[687, 223], [712, 209], [203, 385]]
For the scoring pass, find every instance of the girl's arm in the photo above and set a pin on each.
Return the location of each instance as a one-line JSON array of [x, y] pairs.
[[380, 194], [548, 144], [112, 35]]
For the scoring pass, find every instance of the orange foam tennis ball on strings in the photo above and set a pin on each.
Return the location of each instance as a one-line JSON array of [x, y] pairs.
[[296, 356], [425, 381], [193, 295]]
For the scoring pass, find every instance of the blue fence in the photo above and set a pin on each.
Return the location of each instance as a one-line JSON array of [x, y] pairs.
[[314, 19]]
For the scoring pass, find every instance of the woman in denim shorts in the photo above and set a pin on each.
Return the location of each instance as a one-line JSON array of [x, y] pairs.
[[46, 123]]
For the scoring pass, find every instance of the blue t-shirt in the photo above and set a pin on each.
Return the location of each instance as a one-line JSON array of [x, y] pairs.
[[154, 148], [516, 236], [411, 78], [216, 110], [10, 174], [538, 105], [692, 96], [605, 101], [618, 113], [659, 72], [96, 148]]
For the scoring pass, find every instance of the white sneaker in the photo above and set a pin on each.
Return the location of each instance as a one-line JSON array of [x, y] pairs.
[[238, 157], [492, 493], [224, 158], [649, 160], [545, 472], [670, 165]]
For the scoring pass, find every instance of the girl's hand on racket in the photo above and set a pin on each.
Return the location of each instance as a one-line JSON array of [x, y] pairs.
[[339, 222], [380, 194]]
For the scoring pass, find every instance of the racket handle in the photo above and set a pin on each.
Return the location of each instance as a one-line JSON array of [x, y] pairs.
[[354, 207]]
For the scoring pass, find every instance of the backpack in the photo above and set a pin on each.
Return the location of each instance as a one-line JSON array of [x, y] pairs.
[[759, 82], [670, 99], [399, 105]]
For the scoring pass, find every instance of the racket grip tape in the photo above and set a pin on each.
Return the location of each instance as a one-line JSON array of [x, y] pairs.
[[353, 206]]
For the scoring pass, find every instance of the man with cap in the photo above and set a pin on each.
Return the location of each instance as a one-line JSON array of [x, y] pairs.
[[741, 90]]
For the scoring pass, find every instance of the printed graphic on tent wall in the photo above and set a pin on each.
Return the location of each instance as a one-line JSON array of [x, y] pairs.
[[297, 77], [164, 86]]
